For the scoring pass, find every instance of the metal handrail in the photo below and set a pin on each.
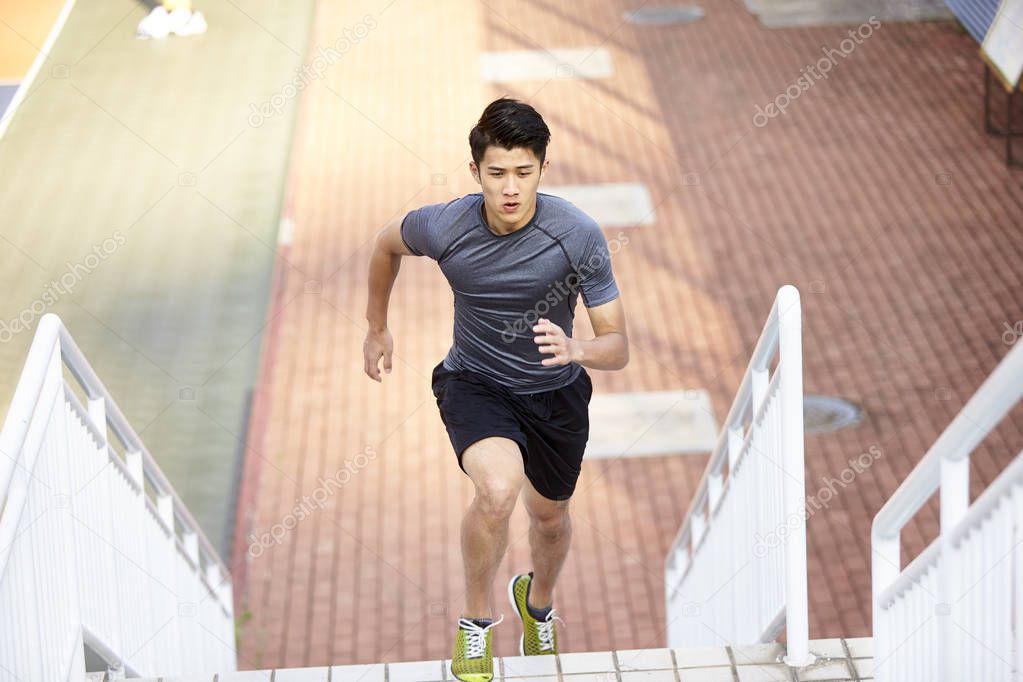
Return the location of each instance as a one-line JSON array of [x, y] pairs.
[[945, 468], [80, 368], [781, 334], [996, 396], [51, 443], [49, 332]]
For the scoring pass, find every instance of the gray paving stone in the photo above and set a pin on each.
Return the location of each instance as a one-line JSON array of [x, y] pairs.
[[707, 675], [757, 653], [357, 673], [542, 65], [793, 13], [651, 423], [623, 204], [246, 676], [648, 676], [588, 662], [701, 657], [529, 666], [861, 647], [415, 671], [763, 673], [302, 674], [832, 670], [827, 648], [645, 659]]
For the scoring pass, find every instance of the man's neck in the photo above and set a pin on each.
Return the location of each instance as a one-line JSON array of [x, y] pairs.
[[524, 222]]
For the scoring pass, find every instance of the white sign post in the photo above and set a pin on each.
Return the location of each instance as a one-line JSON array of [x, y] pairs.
[[1002, 51]]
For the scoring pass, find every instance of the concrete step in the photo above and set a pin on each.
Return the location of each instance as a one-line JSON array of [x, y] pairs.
[[793, 13], [840, 660]]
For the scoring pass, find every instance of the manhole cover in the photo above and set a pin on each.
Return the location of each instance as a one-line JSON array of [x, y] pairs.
[[671, 14], [825, 413]]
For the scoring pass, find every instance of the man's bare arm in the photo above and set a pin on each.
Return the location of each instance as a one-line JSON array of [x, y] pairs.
[[384, 264], [609, 349]]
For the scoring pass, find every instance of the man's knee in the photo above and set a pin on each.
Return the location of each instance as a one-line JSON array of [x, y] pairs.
[[550, 520], [496, 496], [495, 467]]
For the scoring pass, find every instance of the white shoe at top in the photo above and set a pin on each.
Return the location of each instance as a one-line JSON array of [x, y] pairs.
[[185, 23], [160, 23], [154, 25]]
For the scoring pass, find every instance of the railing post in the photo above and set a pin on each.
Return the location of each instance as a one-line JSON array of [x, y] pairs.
[[133, 461], [216, 583], [955, 491], [734, 447], [790, 365], [954, 501], [714, 486], [227, 590], [98, 414], [758, 388], [165, 509], [191, 545], [699, 526], [1017, 606], [885, 566]]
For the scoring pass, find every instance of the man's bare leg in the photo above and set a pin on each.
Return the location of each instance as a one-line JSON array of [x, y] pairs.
[[495, 467], [550, 534]]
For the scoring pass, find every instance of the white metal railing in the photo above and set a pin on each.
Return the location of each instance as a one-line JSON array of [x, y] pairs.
[[955, 612], [96, 548], [736, 573]]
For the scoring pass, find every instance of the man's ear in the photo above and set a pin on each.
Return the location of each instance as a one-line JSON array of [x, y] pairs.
[[543, 168], [475, 172]]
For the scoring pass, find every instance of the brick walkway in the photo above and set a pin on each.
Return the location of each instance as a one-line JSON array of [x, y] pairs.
[[876, 195]]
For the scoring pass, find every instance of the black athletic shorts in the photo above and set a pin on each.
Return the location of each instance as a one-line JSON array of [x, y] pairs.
[[551, 427]]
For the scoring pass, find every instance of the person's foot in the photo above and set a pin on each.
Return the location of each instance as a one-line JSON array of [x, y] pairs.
[[187, 23], [472, 660], [156, 24], [538, 634]]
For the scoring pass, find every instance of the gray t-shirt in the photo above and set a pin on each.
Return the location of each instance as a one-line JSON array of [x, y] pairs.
[[503, 284]]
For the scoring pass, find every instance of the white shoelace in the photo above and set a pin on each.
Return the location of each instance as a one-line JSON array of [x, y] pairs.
[[476, 639], [545, 631]]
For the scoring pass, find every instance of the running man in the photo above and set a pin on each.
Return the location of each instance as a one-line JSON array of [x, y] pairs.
[[512, 391]]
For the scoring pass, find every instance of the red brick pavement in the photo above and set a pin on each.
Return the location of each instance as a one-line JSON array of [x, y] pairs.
[[876, 194]]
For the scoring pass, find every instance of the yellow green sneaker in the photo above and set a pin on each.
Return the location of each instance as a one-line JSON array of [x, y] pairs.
[[538, 636], [472, 660]]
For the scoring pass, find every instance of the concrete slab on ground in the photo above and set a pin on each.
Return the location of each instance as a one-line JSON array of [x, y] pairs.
[[795, 13], [541, 65], [651, 423], [611, 204]]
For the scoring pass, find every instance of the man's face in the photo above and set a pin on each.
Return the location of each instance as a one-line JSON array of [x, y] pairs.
[[509, 178]]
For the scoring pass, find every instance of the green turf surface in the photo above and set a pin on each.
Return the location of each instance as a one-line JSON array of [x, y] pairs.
[[136, 176]]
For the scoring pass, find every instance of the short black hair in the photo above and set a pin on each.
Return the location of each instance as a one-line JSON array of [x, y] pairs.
[[509, 123]]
